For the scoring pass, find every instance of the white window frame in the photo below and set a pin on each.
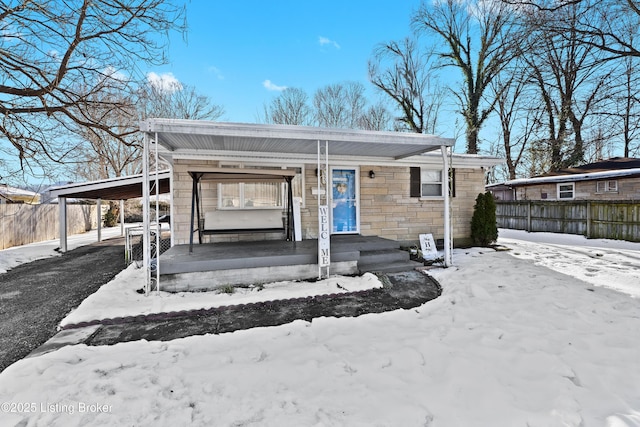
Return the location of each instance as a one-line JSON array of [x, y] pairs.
[[283, 190], [607, 186], [561, 191], [441, 182]]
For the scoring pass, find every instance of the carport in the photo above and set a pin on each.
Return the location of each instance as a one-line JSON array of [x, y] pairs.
[[122, 188]]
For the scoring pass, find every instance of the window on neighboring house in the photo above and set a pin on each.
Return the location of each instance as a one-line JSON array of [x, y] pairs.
[[607, 186], [257, 195], [566, 191], [427, 182]]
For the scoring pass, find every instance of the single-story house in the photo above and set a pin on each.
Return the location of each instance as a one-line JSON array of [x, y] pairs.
[[10, 194], [614, 179], [254, 182]]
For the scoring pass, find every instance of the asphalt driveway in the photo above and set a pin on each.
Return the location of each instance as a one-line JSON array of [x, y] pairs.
[[36, 296]]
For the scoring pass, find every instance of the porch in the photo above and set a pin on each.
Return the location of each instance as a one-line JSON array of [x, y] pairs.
[[212, 266]]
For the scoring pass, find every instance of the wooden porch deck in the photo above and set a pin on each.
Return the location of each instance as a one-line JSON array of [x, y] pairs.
[[214, 265], [266, 253]]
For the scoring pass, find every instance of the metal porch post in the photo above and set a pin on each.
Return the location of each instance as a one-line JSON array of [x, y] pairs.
[[99, 219], [290, 217], [146, 244], [62, 206], [195, 208], [447, 209]]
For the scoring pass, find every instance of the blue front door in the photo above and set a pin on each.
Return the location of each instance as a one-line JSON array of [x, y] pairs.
[[344, 201]]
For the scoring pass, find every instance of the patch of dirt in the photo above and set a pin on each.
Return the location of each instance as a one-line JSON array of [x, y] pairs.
[[35, 297]]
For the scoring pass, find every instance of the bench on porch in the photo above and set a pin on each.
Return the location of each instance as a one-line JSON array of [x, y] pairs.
[[236, 221]]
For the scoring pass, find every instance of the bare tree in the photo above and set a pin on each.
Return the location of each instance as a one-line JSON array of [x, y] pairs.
[[375, 117], [518, 117], [570, 76], [621, 110], [339, 105], [610, 30], [56, 57], [104, 156], [176, 101], [290, 107], [627, 106], [478, 39], [411, 83]]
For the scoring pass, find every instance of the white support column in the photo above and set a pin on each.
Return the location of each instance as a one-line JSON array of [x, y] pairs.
[[62, 224], [99, 220], [447, 209], [146, 246], [121, 218], [157, 218]]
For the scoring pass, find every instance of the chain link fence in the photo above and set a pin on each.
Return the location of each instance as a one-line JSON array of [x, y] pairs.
[[134, 246]]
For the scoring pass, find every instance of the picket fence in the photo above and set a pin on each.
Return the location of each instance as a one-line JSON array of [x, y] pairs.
[[618, 220]]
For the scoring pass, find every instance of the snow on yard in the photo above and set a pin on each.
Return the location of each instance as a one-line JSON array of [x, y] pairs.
[[14, 256], [119, 298], [527, 337]]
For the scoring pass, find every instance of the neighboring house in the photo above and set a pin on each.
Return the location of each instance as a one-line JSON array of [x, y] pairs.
[[614, 179], [231, 176], [18, 195]]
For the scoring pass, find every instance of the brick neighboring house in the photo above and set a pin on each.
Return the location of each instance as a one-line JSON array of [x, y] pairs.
[[613, 179]]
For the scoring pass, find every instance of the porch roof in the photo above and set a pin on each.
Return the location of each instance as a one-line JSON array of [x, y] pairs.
[[204, 137]]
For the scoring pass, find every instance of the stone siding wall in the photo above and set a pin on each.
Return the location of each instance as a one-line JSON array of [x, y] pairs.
[[386, 208]]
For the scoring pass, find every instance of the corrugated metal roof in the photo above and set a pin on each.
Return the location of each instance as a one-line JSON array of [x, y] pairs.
[[194, 136], [122, 188]]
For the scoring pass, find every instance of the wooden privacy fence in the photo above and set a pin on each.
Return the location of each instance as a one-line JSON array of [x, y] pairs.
[[594, 219], [21, 224]]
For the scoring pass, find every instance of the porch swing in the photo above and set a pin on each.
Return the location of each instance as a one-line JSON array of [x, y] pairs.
[[241, 221]]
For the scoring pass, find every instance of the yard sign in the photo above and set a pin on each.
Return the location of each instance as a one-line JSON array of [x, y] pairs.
[[428, 246]]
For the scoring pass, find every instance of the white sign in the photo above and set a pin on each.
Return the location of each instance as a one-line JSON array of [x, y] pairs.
[[428, 246], [324, 244]]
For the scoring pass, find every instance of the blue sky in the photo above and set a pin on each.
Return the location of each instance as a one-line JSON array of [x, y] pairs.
[[235, 47]]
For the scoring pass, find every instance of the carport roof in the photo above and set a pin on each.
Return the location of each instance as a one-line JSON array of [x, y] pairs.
[[122, 188], [205, 137]]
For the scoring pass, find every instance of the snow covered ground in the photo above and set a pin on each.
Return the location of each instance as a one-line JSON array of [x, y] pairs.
[[12, 257], [546, 334]]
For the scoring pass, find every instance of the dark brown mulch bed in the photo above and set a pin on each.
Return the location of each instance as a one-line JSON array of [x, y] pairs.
[[402, 290]]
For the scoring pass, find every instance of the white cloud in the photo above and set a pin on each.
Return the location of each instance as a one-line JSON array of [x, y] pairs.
[[166, 82], [216, 71], [326, 41], [269, 85]]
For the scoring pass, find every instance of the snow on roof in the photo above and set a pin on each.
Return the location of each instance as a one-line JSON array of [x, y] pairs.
[[11, 192], [571, 178]]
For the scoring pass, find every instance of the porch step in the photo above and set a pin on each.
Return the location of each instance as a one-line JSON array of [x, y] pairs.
[[386, 261]]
